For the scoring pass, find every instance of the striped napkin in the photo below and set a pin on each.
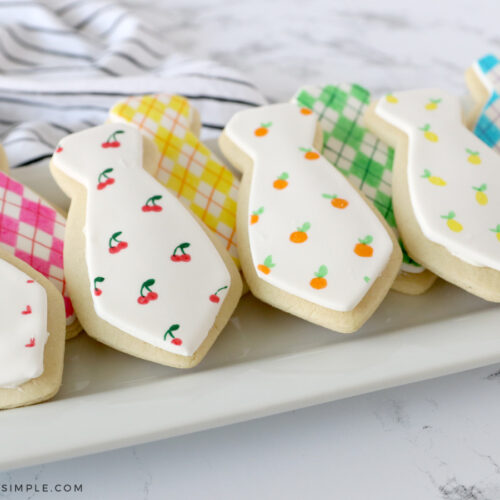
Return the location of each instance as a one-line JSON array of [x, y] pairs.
[[64, 63]]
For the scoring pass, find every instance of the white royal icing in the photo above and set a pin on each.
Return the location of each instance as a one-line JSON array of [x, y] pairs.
[[342, 155], [23, 326], [287, 192], [454, 181], [182, 293]]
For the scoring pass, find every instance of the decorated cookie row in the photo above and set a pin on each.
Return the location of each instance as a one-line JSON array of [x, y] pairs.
[[160, 287]]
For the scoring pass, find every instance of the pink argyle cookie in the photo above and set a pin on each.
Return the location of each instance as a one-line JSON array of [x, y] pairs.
[[34, 232]]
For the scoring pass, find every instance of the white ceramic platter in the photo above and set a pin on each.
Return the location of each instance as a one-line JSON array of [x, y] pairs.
[[264, 362]]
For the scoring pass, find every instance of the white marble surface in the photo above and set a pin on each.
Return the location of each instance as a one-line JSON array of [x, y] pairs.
[[438, 439]]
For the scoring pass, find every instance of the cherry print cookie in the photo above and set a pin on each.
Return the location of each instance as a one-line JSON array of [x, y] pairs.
[[330, 265], [141, 269], [446, 188], [32, 334], [483, 80], [364, 159], [186, 166], [33, 230]]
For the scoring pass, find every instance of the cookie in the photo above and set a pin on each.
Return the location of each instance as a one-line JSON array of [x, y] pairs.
[[483, 80], [186, 166], [145, 277], [32, 334], [309, 243], [363, 159], [33, 230], [446, 185]]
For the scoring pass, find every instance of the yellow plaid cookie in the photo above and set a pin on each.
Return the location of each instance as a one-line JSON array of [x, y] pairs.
[[187, 167]]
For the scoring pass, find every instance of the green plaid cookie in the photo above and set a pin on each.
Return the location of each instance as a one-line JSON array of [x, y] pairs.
[[356, 152]]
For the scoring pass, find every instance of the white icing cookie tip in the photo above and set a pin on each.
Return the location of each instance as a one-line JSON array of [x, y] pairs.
[[23, 327]]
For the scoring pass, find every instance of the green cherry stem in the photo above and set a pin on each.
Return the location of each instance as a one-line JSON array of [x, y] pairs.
[[152, 201], [97, 290], [148, 297], [114, 239], [173, 328], [147, 286], [112, 137], [115, 245], [104, 175]]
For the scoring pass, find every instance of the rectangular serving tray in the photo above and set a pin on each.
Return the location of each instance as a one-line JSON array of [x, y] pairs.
[[264, 362]]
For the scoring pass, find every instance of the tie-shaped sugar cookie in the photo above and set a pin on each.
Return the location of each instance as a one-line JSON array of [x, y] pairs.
[[144, 275], [186, 166], [309, 243], [32, 334], [446, 188], [483, 80], [363, 159], [33, 230]]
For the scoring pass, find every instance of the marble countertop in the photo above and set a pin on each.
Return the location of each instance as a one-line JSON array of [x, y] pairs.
[[438, 439]]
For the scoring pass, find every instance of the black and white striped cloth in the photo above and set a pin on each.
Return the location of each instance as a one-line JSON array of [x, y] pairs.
[[64, 63]]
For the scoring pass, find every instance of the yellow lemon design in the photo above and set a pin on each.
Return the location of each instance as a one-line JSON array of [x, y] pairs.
[[392, 99], [432, 104], [428, 134], [454, 225], [481, 196], [496, 230], [474, 157], [433, 179]]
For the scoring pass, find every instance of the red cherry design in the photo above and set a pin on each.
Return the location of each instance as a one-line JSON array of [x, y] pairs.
[[30, 281], [31, 342], [112, 144], [151, 206], [111, 141], [59, 149], [214, 298], [115, 245], [105, 183], [27, 310], [183, 256], [97, 290], [152, 295], [177, 341], [143, 300]]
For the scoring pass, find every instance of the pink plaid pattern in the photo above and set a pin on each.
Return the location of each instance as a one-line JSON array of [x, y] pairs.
[[34, 232]]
